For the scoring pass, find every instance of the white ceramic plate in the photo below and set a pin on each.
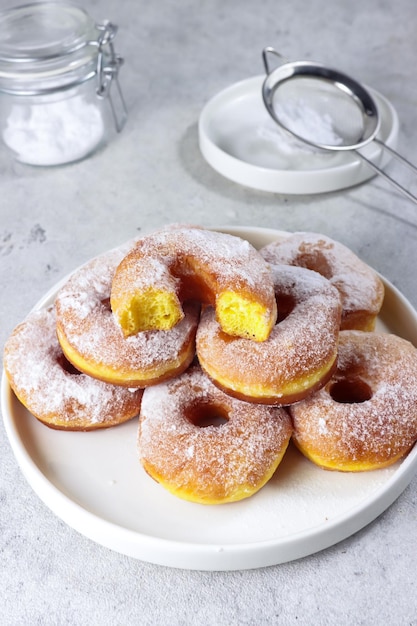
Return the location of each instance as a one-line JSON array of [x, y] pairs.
[[94, 482], [239, 140]]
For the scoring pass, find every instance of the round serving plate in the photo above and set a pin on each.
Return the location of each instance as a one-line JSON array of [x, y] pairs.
[[239, 140], [94, 482]]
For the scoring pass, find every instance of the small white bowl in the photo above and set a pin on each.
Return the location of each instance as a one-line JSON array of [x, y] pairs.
[[239, 140]]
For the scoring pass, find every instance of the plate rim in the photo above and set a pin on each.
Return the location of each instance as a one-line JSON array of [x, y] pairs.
[[194, 555]]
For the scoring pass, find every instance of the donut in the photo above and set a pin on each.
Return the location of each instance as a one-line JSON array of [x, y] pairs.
[[360, 288], [93, 342], [53, 391], [365, 417], [299, 355], [205, 446], [171, 266]]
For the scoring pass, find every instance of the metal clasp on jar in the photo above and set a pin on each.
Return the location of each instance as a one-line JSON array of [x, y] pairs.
[[108, 65]]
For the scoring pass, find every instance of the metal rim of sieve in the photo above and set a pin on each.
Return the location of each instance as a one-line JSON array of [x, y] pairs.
[[360, 96], [313, 70]]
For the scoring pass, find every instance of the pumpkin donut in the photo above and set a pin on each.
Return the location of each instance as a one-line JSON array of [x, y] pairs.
[[183, 449], [53, 391], [365, 417], [299, 355], [93, 341], [171, 266], [360, 288]]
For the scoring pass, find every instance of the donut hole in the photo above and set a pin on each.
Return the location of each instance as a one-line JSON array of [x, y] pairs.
[[67, 366], [316, 259], [203, 414], [285, 306], [106, 303], [350, 391]]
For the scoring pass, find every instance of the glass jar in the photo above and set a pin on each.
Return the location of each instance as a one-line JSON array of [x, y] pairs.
[[57, 71]]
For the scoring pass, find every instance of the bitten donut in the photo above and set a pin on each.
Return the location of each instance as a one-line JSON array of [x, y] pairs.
[[299, 355], [171, 266], [365, 418], [181, 447], [361, 289], [93, 342], [53, 391]]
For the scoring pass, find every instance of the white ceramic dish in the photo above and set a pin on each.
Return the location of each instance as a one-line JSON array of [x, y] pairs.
[[93, 481], [240, 141]]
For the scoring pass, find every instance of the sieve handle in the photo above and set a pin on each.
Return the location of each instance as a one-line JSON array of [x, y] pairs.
[[386, 176], [398, 156]]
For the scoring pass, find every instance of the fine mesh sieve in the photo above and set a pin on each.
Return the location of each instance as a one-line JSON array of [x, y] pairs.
[[326, 109]]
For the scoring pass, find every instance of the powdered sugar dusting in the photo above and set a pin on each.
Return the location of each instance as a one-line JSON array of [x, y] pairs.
[[230, 261], [360, 287], [152, 272], [298, 346], [214, 459], [85, 318], [379, 428], [34, 364]]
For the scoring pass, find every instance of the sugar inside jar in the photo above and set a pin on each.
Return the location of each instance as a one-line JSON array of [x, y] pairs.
[[60, 97]]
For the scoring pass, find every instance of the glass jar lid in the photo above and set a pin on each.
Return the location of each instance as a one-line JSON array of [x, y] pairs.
[[46, 45], [41, 31]]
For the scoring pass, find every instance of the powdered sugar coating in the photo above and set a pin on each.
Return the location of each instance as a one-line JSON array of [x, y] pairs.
[[301, 347], [194, 263], [360, 287], [35, 367], [214, 463], [90, 334], [371, 433], [233, 261]]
